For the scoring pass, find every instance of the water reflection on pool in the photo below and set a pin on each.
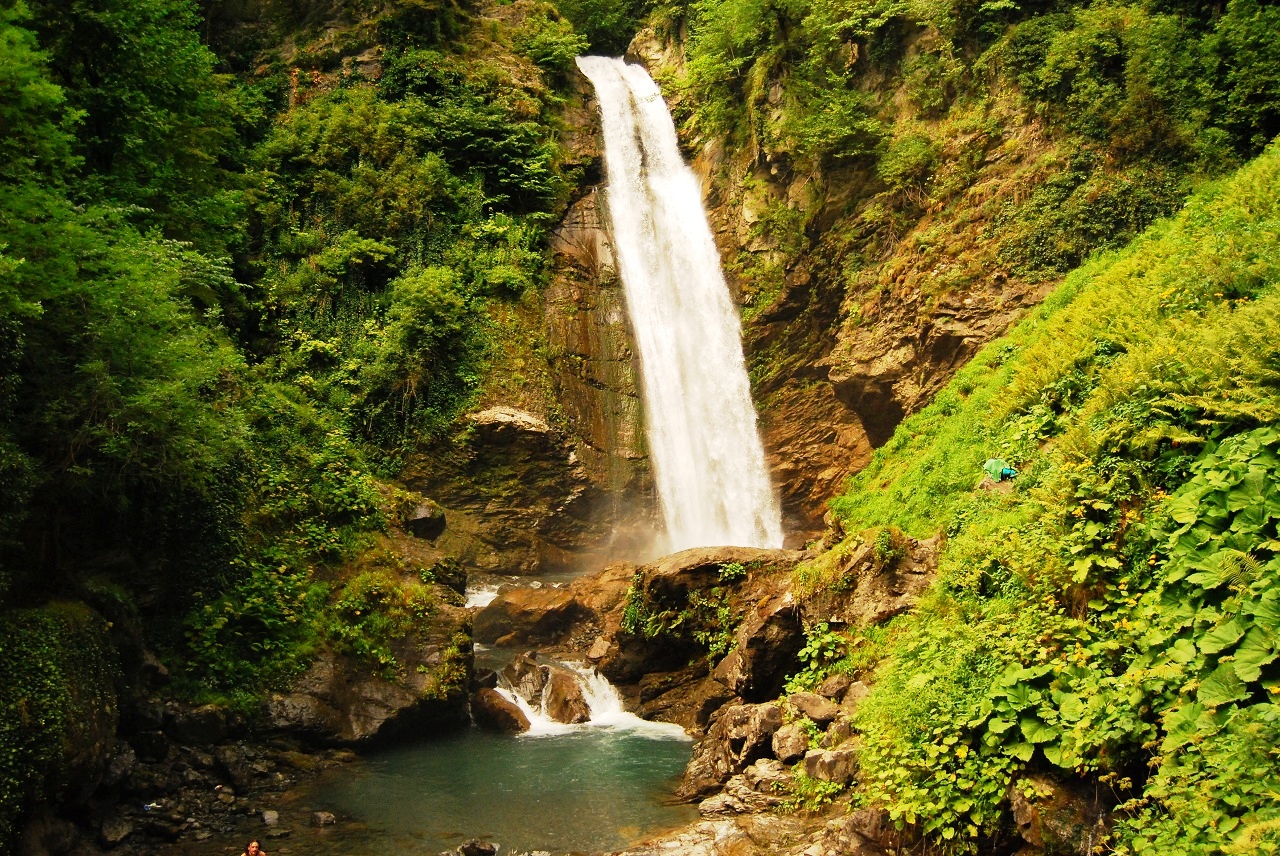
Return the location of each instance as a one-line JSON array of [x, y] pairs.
[[594, 788]]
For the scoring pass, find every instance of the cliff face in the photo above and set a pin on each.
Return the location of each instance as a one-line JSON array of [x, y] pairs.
[[849, 327], [553, 474]]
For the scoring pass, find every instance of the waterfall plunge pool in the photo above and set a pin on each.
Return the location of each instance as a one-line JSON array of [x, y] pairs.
[[589, 789], [559, 788]]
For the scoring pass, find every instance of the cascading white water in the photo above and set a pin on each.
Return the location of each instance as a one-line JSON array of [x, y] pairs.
[[706, 452], [604, 702]]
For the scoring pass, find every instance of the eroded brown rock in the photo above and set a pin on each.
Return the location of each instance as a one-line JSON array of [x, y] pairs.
[[564, 699], [491, 710], [1056, 817], [739, 735]]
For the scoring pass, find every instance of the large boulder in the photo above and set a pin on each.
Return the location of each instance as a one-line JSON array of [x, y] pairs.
[[427, 521], [864, 832], [491, 710], [790, 742], [673, 585], [765, 650], [831, 765], [527, 677], [875, 587], [822, 711], [564, 699], [344, 700], [739, 735], [528, 616]]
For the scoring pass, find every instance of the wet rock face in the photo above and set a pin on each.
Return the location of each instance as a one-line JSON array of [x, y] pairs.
[[340, 700], [595, 370], [1058, 818], [687, 697], [739, 735], [493, 712], [527, 677], [516, 495], [564, 699]]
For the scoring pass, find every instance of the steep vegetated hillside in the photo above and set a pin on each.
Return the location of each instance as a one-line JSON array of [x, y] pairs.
[[895, 182], [236, 291], [1111, 619]]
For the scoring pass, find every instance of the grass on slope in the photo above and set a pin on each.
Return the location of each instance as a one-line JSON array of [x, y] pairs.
[[1116, 619]]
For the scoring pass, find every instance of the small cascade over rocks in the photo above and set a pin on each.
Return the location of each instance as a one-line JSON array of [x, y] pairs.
[[707, 455], [568, 698]]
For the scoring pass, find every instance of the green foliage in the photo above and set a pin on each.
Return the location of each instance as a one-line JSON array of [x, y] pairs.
[[762, 274], [704, 619], [59, 688], [1117, 609], [634, 612], [428, 353], [825, 652], [1219, 253], [1023, 136], [550, 41], [888, 548], [452, 677], [36, 139], [908, 162], [732, 572], [216, 323], [373, 611], [607, 25], [257, 632], [808, 793], [155, 124]]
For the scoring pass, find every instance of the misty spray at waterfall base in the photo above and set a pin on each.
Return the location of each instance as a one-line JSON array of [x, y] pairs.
[[706, 452]]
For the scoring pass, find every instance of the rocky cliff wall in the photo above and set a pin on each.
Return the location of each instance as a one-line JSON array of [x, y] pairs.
[[849, 326], [552, 474]]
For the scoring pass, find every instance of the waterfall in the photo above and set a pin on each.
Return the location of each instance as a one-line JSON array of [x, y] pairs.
[[707, 456], [608, 712]]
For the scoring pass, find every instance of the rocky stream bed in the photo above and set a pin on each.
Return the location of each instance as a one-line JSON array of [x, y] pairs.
[[202, 780]]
